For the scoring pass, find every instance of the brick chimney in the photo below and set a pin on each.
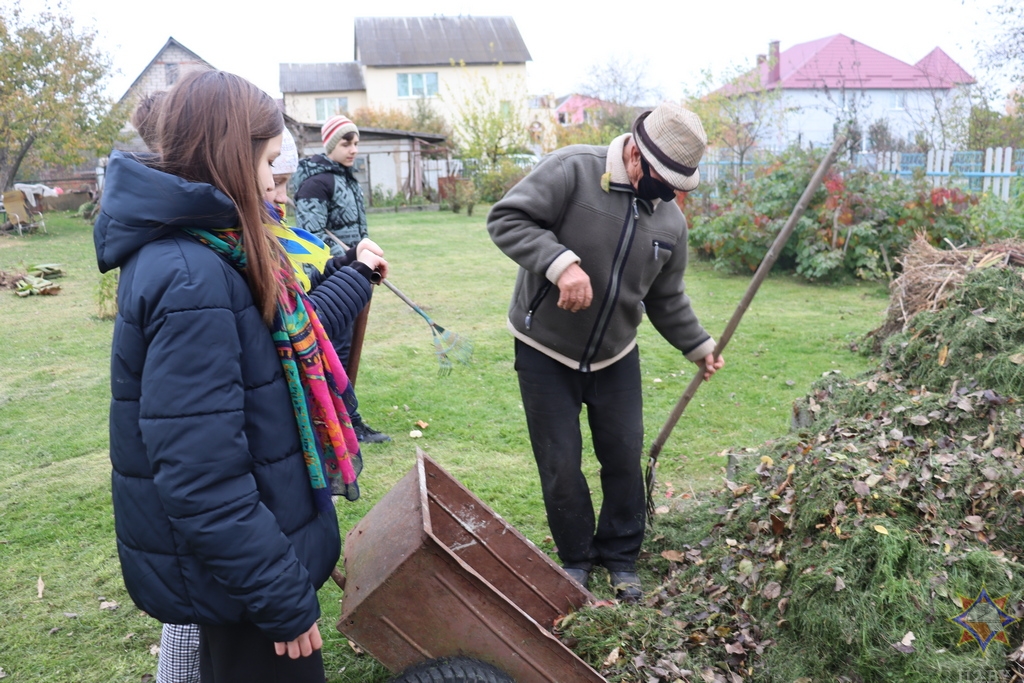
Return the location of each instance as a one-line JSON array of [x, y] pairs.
[[774, 67]]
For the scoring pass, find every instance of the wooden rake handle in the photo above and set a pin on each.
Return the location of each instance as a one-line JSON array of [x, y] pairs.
[[762, 272]]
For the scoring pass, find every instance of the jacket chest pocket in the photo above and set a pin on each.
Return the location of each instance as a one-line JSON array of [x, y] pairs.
[[661, 249], [654, 254]]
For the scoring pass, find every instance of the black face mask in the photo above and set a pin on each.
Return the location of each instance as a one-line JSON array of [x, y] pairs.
[[650, 189]]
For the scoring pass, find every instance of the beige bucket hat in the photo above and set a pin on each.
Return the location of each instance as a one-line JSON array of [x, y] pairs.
[[673, 141]]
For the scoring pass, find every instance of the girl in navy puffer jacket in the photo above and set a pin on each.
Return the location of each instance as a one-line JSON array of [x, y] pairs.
[[227, 427]]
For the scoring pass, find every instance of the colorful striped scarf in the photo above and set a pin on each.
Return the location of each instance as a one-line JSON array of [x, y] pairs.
[[316, 379]]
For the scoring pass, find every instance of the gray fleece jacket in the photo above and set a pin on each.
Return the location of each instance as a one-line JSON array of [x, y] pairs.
[[578, 206]]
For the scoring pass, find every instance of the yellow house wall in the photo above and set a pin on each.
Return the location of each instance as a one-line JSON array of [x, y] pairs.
[[302, 106], [453, 82]]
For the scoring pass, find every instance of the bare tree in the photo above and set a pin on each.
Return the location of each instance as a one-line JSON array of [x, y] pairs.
[[740, 115], [622, 81], [1007, 50]]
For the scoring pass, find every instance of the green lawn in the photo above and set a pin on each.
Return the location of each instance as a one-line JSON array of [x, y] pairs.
[[55, 514]]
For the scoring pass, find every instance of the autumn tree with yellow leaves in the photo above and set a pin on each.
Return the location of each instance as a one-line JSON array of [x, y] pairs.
[[53, 109]]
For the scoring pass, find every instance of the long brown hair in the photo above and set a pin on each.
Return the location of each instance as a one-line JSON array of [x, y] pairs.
[[213, 127]]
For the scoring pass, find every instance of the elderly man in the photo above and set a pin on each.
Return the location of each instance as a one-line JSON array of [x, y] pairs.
[[599, 241]]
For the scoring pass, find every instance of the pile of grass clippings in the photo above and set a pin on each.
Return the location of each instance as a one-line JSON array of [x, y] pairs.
[[843, 554], [929, 276]]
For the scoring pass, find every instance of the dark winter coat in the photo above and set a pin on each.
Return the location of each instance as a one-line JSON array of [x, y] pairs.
[[213, 508], [328, 197]]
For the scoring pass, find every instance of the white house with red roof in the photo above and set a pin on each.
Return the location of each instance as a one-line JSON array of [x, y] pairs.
[[836, 79]]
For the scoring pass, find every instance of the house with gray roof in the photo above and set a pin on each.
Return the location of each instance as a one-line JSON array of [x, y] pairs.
[[399, 61]]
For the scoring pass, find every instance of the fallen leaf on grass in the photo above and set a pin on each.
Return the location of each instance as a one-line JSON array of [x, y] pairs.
[[71, 615], [943, 354], [109, 605], [613, 657], [772, 590], [54, 630], [1017, 358], [154, 650], [672, 555], [904, 645], [974, 522], [840, 584], [3, 674], [662, 510], [355, 648], [415, 434], [39, 588], [421, 424], [881, 529]]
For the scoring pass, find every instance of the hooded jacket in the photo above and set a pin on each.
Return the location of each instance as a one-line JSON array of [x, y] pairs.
[[578, 206], [213, 506], [328, 197]]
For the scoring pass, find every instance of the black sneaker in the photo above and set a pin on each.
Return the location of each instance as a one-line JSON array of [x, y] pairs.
[[627, 586], [367, 434], [580, 576]]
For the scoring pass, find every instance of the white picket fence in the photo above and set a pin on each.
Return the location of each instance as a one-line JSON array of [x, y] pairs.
[[998, 170], [993, 170]]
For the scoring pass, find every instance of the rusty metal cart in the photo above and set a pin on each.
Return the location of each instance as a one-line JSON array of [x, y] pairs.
[[431, 572]]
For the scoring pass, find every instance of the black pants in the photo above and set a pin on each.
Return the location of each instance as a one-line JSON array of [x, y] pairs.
[[553, 395], [240, 653]]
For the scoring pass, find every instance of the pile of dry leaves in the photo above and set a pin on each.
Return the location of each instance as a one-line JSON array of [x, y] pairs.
[[843, 551]]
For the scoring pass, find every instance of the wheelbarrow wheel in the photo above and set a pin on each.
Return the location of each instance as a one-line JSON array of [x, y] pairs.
[[453, 670]]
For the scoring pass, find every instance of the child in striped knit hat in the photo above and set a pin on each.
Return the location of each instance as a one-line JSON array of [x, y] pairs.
[[329, 204]]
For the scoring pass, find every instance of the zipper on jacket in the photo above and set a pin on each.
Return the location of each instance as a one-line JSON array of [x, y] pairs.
[[661, 245], [528, 322], [612, 293]]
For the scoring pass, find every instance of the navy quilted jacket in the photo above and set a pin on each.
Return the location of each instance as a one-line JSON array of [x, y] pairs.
[[214, 513]]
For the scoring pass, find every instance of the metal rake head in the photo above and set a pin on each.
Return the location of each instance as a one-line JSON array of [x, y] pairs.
[[449, 346]]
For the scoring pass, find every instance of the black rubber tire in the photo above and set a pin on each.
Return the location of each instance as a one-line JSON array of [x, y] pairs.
[[453, 670]]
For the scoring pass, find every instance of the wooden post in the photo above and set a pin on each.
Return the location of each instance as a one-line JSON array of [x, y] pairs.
[[986, 180], [1008, 156]]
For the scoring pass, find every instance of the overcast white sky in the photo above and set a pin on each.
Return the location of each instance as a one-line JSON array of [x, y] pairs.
[[677, 39]]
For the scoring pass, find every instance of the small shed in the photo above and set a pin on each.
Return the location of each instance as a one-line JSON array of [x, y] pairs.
[[389, 161]]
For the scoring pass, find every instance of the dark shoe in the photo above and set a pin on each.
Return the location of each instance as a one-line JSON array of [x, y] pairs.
[[580, 576], [627, 586], [367, 434]]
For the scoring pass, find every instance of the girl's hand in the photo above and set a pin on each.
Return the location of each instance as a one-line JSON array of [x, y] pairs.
[[303, 646], [369, 244], [374, 261]]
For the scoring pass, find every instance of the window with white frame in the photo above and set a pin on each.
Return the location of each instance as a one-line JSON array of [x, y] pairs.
[[417, 85], [899, 99], [326, 107]]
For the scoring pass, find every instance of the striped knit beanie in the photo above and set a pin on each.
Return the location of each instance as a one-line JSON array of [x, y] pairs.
[[334, 129]]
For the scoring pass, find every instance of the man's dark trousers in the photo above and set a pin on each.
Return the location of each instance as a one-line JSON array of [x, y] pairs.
[[553, 395]]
